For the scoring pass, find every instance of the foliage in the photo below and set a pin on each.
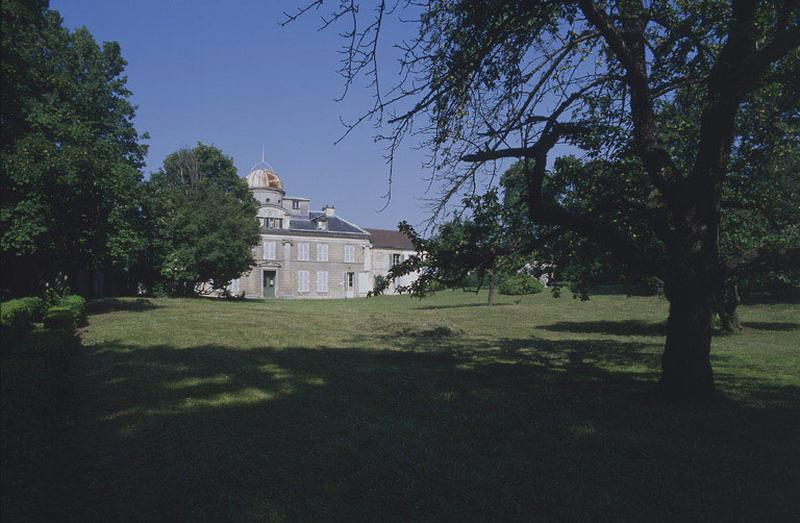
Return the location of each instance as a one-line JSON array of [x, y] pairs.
[[201, 218], [76, 305], [35, 305], [69, 154], [53, 296], [519, 284], [656, 92], [16, 317], [481, 240], [61, 318]]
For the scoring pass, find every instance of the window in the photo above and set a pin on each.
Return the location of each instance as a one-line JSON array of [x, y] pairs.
[[322, 225], [269, 250], [350, 280], [302, 251], [272, 223], [302, 281], [349, 254], [322, 252], [397, 259], [322, 281], [295, 204]]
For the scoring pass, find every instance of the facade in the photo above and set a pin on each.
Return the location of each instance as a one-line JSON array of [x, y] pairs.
[[312, 254]]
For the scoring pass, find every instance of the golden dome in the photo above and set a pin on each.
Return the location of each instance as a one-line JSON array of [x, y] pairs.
[[262, 176]]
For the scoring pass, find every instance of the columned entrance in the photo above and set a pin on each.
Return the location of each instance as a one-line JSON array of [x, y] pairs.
[[269, 281]]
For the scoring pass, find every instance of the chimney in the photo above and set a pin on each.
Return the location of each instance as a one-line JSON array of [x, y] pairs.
[[329, 210]]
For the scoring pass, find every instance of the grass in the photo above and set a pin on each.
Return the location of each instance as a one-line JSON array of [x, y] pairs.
[[397, 409]]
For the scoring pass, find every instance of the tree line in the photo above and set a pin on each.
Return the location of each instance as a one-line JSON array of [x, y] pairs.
[[75, 203]]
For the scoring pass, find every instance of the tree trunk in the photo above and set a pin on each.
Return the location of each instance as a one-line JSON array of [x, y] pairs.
[[686, 366], [491, 288], [727, 309]]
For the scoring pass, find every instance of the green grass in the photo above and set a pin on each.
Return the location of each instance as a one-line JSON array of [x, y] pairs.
[[400, 409]]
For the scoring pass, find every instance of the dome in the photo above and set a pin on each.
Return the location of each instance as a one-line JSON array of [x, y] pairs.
[[262, 176]]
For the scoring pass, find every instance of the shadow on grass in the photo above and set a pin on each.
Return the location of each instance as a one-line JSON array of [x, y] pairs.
[[437, 426], [462, 306], [443, 429], [787, 295], [104, 305], [646, 328], [771, 325], [609, 327]]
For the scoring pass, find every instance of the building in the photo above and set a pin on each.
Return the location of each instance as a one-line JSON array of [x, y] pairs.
[[313, 254]]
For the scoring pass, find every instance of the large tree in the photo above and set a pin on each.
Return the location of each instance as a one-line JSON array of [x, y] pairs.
[[70, 156], [202, 221], [485, 81]]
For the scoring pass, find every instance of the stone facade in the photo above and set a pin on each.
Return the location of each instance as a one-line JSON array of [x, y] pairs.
[[312, 254]]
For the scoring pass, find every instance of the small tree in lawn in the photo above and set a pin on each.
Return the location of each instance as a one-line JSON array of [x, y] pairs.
[[480, 241], [202, 221]]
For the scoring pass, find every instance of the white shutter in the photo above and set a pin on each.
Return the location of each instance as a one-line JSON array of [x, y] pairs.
[[302, 251], [322, 281], [349, 254], [322, 252], [302, 281], [269, 250], [363, 282]]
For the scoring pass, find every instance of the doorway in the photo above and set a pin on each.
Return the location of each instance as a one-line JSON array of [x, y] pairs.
[[269, 282], [349, 284]]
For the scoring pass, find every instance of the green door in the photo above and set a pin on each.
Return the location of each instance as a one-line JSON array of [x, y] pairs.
[[269, 284]]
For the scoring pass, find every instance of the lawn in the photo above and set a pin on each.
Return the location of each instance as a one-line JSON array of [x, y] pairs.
[[392, 408]]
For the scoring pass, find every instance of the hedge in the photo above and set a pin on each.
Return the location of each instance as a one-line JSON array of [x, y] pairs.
[[35, 306], [16, 317], [60, 318], [77, 305], [519, 284]]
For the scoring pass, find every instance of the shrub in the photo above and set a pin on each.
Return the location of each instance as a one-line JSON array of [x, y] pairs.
[[35, 306], [519, 284], [16, 317], [77, 305], [60, 318], [53, 297]]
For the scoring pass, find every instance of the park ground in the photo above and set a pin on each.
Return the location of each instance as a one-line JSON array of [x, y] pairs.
[[395, 408]]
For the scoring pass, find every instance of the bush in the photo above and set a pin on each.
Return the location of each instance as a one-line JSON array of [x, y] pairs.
[[60, 318], [77, 305], [519, 284], [16, 317], [36, 307]]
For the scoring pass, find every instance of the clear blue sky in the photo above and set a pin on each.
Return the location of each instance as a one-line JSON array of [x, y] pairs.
[[226, 73]]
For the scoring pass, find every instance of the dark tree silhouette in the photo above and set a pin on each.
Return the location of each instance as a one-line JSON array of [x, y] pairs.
[[486, 81]]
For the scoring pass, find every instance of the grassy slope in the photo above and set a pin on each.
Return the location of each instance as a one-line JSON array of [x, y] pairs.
[[434, 409]]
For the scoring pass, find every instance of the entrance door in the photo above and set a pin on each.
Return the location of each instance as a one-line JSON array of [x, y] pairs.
[[349, 284], [270, 278]]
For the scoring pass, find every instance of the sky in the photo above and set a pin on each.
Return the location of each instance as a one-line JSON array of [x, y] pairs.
[[227, 74]]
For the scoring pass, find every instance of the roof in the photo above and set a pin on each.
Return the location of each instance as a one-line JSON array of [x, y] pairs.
[[335, 224], [388, 239]]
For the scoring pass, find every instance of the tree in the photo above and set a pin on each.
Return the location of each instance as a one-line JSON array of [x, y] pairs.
[[511, 79], [202, 221], [70, 156], [477, 242]]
